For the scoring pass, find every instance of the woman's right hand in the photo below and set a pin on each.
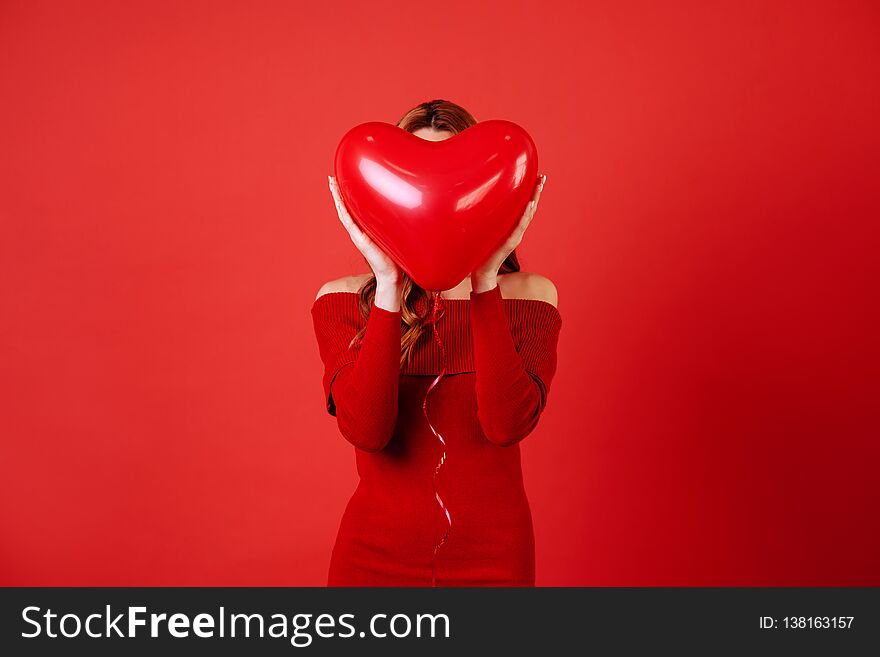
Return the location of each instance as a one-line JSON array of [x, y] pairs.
[[387, 271]]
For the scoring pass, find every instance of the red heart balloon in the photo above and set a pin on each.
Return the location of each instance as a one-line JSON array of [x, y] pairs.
[[439, 209]]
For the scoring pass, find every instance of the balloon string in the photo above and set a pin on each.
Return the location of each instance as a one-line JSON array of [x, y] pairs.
[[436, 313]]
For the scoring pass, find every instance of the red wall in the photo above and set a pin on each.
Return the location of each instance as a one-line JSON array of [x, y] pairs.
[[709, 220]]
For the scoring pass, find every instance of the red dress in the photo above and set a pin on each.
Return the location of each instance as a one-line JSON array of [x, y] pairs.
[[500, 360]]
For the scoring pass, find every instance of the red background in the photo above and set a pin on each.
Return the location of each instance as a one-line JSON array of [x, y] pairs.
[[709, 220]]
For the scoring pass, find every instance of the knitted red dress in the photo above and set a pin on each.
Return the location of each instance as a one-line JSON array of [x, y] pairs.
[[500, 360]]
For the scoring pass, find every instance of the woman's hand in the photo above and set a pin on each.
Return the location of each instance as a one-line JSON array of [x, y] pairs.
[[485, 277], [389, 279], [382, 265]]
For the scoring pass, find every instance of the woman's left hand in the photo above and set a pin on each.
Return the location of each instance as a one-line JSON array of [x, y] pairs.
[[485, 277]]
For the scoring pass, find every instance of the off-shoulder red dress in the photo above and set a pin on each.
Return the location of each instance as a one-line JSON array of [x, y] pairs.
[[500, 360]]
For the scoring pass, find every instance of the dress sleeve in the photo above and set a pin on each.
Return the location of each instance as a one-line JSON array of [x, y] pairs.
[[513, 374], [360, 383]]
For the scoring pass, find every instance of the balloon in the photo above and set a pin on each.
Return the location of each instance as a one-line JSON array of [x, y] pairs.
[[439, 209]]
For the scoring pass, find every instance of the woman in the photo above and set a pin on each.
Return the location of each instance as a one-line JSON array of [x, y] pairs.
[[499, 329]]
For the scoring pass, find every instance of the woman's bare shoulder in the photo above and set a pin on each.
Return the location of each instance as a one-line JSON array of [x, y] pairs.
[[344, 284], [528, 285]]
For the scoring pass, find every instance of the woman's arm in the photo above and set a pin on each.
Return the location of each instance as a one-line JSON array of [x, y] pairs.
[[510, 399], [365, 391]]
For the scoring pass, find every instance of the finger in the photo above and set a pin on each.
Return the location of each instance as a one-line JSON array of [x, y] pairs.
[[348, 222], [537, 198], [334, 189], [332, 186], [344, 217], [517, 235], [539, 185], [527, 216], [340, 210], [354, 231], [340, 206]]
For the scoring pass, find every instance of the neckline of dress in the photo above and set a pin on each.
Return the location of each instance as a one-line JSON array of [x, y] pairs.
[[445, 299]]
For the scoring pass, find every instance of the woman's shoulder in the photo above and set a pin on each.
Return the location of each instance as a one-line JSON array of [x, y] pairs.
[[514, 285], [528, 285], [351, 283]]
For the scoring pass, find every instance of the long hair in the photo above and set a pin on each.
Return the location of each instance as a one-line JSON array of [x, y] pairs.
[[415, 303]]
